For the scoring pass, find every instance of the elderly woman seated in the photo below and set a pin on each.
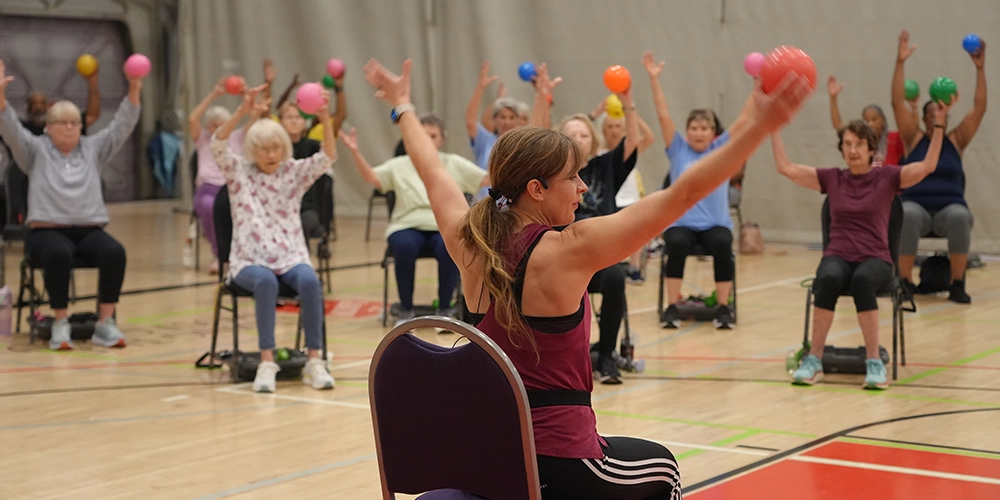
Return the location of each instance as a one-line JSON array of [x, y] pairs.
[[66, 213]]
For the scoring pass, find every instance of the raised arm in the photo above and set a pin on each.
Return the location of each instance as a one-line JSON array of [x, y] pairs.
[[329, 142], [288, 91], [109, 140], [913, 173], [833, 88], [906, 122], [350, 140], [487, 117], [646, 137], [635, 225], [93, 99], [447, 201], [270, 73], [472, 109], [965, 131], [246, 107], [541, 112], [631, 122], [802, 175], [667, 127], [194, 118], [339, 114], [21, 142]]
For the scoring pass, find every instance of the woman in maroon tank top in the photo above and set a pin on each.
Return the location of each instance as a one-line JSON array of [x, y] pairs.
[[530, 282]]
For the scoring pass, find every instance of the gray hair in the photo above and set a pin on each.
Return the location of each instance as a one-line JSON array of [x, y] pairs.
[[63, 110], [215, 114], [519, 108], [263, 132]]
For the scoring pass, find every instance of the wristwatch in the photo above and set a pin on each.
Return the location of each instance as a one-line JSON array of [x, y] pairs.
[[399, 110]]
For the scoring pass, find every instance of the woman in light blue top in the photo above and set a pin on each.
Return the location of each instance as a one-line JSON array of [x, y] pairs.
[[707, 223], [66, 213]]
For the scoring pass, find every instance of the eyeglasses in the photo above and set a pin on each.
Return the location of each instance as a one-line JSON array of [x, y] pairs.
[[66, 123]]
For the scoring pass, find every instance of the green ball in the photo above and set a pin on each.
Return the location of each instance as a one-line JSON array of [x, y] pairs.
[[942, 88], [281, 355], [912, 89], [328, 82], [306, 116]]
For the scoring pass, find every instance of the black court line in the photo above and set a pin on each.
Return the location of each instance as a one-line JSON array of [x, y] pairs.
[[814, 443], [137, 386], [168, 288], [786, 381], [930, 445], [756, 447]]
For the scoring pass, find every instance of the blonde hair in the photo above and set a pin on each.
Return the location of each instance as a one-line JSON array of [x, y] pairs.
[[288, 105], [264, 132], [594, 141], [63, 110], [518, 157], [215, 114]]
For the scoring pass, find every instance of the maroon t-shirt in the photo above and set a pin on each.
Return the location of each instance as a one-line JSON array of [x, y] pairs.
[[859, 211]]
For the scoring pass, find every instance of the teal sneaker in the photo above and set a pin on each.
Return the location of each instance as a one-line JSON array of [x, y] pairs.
[[875, 376], [809, 372]]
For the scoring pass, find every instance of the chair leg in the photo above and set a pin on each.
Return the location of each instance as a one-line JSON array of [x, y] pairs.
[[236, 339], [385, 292], [298, 331], [734, 288], [902, 337], [20, 298], [659, 297], [197, 245], [215, 327], [895, 330], [805, 334], [368, 222], [325, 357]]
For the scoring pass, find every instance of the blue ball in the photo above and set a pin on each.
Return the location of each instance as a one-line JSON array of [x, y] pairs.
[[527, 71], [971, 43]]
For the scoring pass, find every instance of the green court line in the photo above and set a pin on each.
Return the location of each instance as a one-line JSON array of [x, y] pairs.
[[722, 442], [935, 371], [352, 384], [703, 424], [917, 447]]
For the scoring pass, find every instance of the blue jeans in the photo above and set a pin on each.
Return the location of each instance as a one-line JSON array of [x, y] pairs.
[[407, 245], [264, 285]]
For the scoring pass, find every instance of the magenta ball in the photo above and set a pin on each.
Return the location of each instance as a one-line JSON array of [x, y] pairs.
[[335, 67], [310, 97], [137, 66], [753, 62]]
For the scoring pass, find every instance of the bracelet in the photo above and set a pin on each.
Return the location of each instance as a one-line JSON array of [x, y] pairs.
[[398, 111], [938, 125], [630, 108]]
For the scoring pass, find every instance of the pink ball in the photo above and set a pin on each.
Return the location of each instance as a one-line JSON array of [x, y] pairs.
[[335, 67], [753, 62], [137, 66], [310, 97]]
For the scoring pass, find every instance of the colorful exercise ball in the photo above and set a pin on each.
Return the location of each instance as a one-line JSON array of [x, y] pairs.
[[753, 62], [526, 71], [971, 43], [942, 88], [328, 81], [137, 66], [782, 60], [310, 97], [235, 85], [335, 67], [617, 79], [86, 65], [911, 90], [281, 355], [613, 107]]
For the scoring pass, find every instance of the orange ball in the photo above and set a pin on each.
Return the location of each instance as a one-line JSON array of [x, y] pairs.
[[617, 79], [235, 85], [782, 60]]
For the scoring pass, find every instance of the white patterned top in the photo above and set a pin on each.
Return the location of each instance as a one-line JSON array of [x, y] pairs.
[[267, 230]]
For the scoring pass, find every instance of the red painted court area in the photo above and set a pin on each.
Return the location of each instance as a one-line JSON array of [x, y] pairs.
[[859, 471]]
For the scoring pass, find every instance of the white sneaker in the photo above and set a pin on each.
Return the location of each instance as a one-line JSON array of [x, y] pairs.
[[264, 381], [61, 339], [316, 376]]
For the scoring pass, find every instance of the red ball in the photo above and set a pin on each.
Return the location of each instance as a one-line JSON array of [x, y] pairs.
[[235, 85], [782, 60], [617, 79]]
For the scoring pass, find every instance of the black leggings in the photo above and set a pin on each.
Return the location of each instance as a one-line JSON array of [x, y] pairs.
[[610, 283], [631, 468], [718, 241], [863, 280], [54, 249]]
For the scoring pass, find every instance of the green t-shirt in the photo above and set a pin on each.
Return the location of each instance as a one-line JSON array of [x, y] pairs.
[[413, 208]]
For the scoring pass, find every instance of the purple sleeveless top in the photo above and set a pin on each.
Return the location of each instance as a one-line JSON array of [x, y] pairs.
[[562, 363]]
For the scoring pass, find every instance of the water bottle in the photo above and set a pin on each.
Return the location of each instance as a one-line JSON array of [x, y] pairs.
[[6, 305]]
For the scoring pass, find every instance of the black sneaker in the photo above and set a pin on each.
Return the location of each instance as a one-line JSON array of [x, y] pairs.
[[607, 370], [634, 276], [956, 292], [723, 318], [671, 318]]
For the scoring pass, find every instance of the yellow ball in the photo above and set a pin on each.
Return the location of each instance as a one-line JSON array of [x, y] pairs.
[[86, 65], [613, 107]]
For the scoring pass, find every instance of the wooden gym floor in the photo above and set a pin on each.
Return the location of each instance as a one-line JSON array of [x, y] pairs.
[[144, 423]]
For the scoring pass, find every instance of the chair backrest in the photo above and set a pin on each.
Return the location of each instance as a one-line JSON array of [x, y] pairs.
[[193, 167], [895, 226], [435, 429], [17, 195], [322, 192], [222, 216]]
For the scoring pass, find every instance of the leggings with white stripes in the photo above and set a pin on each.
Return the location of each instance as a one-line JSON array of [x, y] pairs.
[[631, 468]]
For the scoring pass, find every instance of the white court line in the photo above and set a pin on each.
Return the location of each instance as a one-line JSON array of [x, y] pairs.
[[237, 390], [740, 451], [898, 470], [755, 288], [363, 362], [174, 399]]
